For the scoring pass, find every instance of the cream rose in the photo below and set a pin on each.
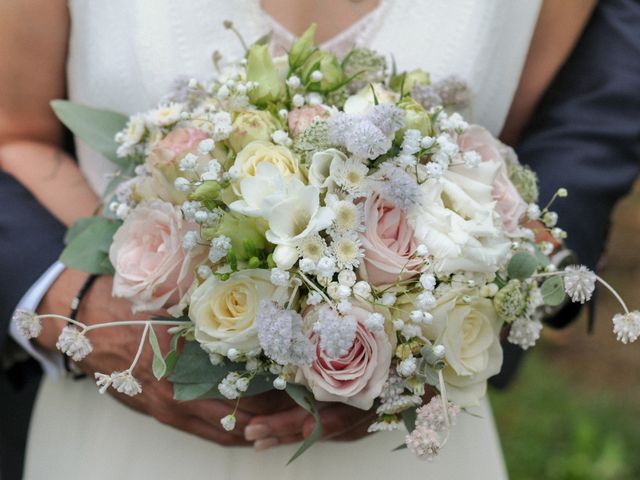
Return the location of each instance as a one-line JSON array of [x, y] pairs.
[[258, 152], [355, 378], [224, 312], [152, 269], [470, 334], [388, 243], [456, 220], [509, 203]]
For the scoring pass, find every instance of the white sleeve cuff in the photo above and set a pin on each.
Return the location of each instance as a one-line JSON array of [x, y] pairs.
[[51, 362]]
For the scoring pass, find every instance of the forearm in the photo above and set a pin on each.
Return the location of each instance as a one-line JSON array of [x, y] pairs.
[[51, 176]]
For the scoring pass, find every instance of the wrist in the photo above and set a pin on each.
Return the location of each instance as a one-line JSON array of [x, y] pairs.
[[58, 300]]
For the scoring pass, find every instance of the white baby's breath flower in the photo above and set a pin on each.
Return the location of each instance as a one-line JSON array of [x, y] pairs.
[[306, 265], [73, 343], [347, 278], [279, 383], [471, 158], [533, 211], [434, 170], [228, 422], [411, 141], [374, 322], [28, 323], [525, 332], [579, 283], [326, 266], [428, 281], [421, 250], [627, 326], [314, 298], [279, 277], [388, 299], [280, 137], [407, 367], [293, 81], [219, 248], [125, 383], [297, 100], [205, 146], [362, 290]]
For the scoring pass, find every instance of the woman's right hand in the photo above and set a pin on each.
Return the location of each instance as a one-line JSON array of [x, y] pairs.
[[114, 349]]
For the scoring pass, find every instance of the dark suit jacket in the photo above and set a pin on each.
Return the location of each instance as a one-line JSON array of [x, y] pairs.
[[584, 136]]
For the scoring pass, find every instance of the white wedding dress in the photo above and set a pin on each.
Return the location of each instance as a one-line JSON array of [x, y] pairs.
[[124, 55]]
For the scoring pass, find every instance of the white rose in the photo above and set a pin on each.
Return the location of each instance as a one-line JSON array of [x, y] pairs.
[[457, 222], [258, 152], [224, 312], [470, 334]]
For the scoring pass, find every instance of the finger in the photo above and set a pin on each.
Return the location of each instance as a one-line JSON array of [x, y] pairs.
[[277, 425], [340, 421], [266, 403]]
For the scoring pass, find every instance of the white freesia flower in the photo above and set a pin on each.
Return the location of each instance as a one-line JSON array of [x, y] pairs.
[[260, 192], [321, 167], [457, 222], [297, 217]]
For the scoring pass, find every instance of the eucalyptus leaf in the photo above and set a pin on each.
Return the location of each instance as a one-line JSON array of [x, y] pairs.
[[552, 291], [193, 366], [96, 127], [88, 248], [191, 391], [522, 266], [158, 366], [304, 398], [409, 417]]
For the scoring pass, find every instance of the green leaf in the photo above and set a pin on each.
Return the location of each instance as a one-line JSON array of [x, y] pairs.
[[259, 384], [409, 417], [96, 127], [170, 361], [159, 367], [522, 266], [552, 291], [88, 245], [543, 259], [194, 366], [191, 391], [304, 398]]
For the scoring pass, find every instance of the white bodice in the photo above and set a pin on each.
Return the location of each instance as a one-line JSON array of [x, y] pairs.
[[125, 54]]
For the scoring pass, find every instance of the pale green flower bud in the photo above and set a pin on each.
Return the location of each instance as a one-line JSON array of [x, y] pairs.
[[261, 69], [415, 117], [408, 80], [302, 48], [327, 64], [510, 301], [246, 234], [252, 125]]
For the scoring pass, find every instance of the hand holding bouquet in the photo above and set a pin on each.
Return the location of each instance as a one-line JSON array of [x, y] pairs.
[[325, 227]]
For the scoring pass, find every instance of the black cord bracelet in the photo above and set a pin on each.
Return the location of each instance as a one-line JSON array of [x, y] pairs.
[[73, 315]]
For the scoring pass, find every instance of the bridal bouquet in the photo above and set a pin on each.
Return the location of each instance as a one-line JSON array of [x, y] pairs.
[[325, 227]]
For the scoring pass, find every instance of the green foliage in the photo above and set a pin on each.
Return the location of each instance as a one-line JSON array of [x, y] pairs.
[[305, 399], [553, 291], [522, 266], [88, 242], [96, 127], [158, 366]]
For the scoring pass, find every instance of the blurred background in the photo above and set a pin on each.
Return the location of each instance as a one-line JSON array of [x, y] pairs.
[[573, 412]]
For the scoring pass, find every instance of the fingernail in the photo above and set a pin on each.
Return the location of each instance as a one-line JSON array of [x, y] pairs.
[[265, 443], [256, 432]]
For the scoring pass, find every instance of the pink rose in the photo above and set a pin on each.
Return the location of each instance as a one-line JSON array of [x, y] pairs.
[[301, 118], [163, 165], [355, 378], [181, 140], [152, 268], [509, 203], [388, 244]]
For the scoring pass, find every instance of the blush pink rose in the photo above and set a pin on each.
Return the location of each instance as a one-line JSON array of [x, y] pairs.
[[355, 378], [509, 203], [301, 118], [388, 244], [163, 165], [153, 271]]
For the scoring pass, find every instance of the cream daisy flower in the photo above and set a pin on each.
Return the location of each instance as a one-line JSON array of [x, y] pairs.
[[312, 247], [347, 251]]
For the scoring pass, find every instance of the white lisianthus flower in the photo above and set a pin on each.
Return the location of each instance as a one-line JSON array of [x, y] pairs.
[[470, 335], [297, 217], [457, 221], [224, 312]]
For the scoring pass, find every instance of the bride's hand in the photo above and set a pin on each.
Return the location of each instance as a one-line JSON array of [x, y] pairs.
[[114, 349]]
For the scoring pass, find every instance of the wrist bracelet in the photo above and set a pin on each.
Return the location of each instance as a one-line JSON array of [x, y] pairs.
[[75, 306]]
